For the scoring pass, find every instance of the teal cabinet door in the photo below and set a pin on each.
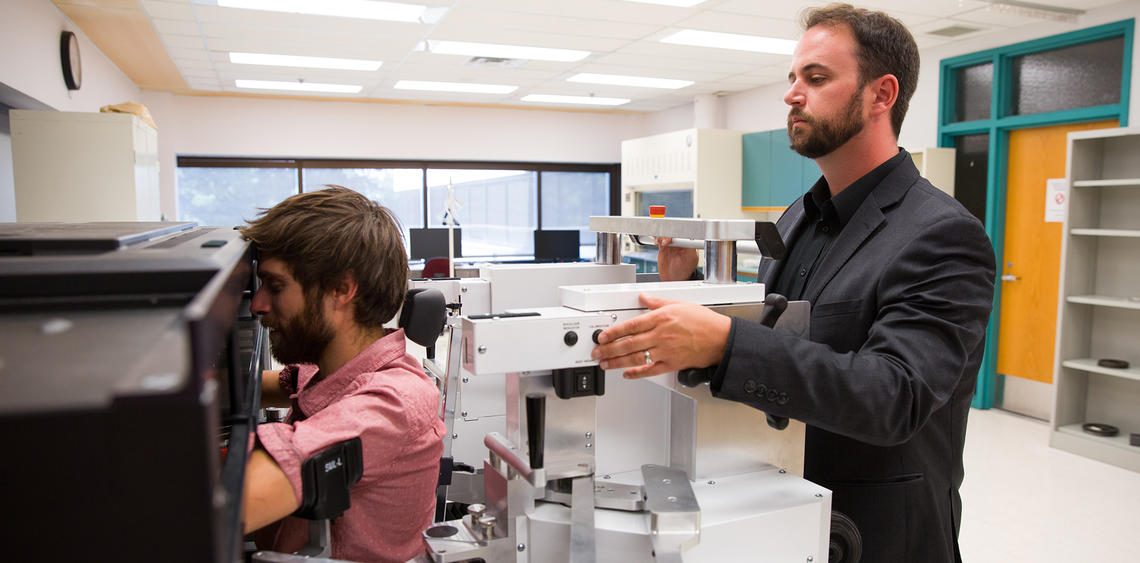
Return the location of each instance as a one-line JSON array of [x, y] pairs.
[[773, 175], [757, 161]]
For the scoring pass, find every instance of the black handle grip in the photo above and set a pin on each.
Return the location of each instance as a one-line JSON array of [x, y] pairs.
[[774, 306], [691, 377], [535, 427]]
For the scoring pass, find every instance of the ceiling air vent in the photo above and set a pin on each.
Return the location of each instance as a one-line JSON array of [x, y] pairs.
[[494, 61], [954, 31]]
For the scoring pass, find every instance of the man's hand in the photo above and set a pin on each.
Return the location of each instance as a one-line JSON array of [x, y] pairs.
[[676, 334], [674, 263]]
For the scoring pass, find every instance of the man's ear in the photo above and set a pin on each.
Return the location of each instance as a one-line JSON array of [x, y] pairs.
[[884, 92], [345, 290]]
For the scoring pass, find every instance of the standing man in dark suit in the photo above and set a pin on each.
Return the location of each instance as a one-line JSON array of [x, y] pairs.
[[900, 277]]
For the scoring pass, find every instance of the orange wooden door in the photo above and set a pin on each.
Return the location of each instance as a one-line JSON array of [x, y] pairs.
[[1032, 252]]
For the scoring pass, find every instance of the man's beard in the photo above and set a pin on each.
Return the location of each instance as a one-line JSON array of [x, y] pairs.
[[301, 339], [826, 135]]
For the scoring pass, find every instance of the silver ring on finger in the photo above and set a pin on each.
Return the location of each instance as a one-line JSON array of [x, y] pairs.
[[648, 360]]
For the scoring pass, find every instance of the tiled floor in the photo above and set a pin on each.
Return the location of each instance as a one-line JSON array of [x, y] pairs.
[[1025, 501]]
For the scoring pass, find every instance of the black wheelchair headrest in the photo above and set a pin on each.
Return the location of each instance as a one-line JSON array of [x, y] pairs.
[[423, 315]]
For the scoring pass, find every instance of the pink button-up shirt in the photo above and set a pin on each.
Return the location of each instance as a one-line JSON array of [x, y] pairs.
[[383, 396]]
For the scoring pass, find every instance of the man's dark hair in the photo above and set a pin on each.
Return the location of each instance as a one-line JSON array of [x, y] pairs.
[[327, 234], [883, 46]]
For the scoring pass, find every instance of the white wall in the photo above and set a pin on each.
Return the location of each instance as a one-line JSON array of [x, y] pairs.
[[29, 60], [216, 126], [33, 79]]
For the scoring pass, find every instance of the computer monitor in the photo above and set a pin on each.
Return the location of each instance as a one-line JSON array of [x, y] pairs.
[[429, 243], [557, 245]]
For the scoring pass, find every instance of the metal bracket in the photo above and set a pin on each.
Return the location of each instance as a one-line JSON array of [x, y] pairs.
[[674, 514]]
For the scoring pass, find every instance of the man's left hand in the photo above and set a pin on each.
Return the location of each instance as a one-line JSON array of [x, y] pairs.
[[675, 334]]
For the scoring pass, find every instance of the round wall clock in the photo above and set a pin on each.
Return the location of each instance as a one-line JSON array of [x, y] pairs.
[[69, 59]]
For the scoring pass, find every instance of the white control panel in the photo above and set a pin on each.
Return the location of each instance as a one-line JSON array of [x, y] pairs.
[[535, 339]]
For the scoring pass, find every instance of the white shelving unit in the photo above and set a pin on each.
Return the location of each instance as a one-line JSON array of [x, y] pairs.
[[1099, 309]]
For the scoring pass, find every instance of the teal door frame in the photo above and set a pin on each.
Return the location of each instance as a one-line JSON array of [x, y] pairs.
[[998, 126]]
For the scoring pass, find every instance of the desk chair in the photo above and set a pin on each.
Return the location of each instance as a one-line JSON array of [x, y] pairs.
[[436, 267]]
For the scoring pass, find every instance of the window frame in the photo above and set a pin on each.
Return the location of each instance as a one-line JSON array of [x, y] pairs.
[[613, 169]]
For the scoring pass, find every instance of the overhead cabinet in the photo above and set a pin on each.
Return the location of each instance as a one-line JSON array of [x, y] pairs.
[[773, 174], [1099, 308]]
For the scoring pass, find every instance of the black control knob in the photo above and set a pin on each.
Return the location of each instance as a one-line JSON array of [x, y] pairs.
[[595, 336], [570, 338]]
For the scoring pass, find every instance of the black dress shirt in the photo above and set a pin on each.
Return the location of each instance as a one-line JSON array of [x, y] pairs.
[[826, 215]]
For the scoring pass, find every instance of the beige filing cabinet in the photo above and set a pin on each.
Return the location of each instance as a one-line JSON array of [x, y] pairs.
[[937, 165], [81, 166]]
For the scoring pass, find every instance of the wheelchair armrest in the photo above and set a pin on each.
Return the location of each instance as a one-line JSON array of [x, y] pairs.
[[326, 478]]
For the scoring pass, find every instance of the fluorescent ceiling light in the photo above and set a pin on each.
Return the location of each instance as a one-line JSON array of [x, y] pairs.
[[639, 81], [362, 9], [678, 3], [303, 62], [298, 86], [732, 41], [504, 51], [575, 100], [469, 87]]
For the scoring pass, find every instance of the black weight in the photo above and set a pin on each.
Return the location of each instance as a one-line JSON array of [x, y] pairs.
[[1100, 429]]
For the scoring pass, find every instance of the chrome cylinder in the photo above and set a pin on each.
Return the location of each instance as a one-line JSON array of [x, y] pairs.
[[608, 249], [720, 261]]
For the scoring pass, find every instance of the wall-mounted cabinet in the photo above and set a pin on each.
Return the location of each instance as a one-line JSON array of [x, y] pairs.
[[694, 172], [773, 174], [76, 166], [1099, 308]]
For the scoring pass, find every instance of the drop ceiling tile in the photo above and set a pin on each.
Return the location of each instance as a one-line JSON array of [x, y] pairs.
[[726, 22], [527, 38], [672, 52], [186, 64], [182, 41], [656, 62], [995, 18], [168, 10], [634, 70], [192, 73], [468, 17], [609, 10], [176, 27], [936, 8], [184, 53]]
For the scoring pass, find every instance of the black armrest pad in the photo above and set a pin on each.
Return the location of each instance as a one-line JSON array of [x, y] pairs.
[[326, 478]]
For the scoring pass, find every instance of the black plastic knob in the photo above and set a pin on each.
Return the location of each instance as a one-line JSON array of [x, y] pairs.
[[535, 427]]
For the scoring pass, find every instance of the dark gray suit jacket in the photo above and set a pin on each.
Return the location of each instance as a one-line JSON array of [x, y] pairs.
[[900, 306]]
